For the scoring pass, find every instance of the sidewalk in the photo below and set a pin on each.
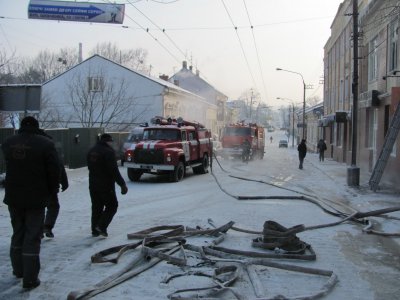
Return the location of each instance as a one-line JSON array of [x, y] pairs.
[[363, 198]]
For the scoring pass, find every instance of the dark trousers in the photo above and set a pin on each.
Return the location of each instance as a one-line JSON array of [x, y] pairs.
[[321, 155], [25, 242], [104, 207], [53, 208], [301, 159]]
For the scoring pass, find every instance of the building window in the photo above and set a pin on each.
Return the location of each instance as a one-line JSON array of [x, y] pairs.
[[96, 84], [373, 60], [393, 38]]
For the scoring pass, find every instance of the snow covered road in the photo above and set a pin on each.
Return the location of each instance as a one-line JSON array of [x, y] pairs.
[[367, 266]]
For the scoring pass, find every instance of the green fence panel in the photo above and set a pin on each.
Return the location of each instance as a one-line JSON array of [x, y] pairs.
[[80, 141], [4, 134], [60, 138], [72, 144]]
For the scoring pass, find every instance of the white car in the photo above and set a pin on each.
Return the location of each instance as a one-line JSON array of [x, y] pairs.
[[283, 144]]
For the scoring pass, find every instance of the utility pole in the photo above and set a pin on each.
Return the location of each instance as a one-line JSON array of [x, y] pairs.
[[353, 172]]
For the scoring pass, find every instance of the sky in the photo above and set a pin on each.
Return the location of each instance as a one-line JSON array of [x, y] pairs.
[[367, 266], [286, 34]]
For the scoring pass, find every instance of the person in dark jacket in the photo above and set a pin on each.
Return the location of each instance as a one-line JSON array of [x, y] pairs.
[[103, 174], [53, 205], [302, 149], [246, 147], [32, 169], [321, 146]]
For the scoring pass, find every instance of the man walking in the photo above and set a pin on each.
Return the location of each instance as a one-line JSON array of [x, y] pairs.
[[32, 170], [302, 148], [103, 174], [321, 146]]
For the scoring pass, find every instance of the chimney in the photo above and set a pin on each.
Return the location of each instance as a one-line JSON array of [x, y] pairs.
[[197, 73], [164, 77], [80, 53], [184, 64], [176, 82]]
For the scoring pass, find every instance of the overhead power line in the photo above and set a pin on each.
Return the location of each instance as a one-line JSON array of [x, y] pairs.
[[255, 46], [148, 32], [161, 29], [241, 44]]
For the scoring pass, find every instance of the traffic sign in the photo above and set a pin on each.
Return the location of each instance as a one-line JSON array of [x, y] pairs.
[[76, 11]]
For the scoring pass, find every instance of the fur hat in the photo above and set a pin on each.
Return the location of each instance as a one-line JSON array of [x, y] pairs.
[[29, 122]]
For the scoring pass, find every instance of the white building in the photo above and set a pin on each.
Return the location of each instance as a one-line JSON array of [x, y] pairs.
[[101, 93]]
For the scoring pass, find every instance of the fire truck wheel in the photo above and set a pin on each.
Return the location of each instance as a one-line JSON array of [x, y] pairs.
[[134, 175], [202, 169], [178, 173]]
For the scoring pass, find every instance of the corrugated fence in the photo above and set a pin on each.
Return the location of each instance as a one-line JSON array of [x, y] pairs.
[[72, 144]]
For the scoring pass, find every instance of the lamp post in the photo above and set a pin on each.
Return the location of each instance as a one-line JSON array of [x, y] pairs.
[[292, 117], [304, 97]]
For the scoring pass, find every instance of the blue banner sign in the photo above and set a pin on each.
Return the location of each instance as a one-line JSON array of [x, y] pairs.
[[76, 11]]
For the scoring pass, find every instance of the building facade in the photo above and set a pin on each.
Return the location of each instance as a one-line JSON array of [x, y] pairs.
[[101, 93], [378, 85], [191, 81]]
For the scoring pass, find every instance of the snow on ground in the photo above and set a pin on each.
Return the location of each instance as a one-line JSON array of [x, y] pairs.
[[367, 266]]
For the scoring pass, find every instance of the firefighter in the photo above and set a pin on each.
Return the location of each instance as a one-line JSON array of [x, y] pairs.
[[246, 146], [32, 176], [103, 174]]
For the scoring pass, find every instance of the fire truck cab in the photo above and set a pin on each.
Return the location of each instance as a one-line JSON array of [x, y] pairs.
[[169, 147]]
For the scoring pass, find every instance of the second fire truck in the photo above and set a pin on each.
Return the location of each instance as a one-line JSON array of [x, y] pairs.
[[234, 137]]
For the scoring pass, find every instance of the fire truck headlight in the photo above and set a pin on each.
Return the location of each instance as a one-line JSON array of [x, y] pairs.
[[168, 157], [129, 157]]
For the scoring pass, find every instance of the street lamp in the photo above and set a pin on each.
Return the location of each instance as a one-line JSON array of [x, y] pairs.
[[292, 117], [304, 97]]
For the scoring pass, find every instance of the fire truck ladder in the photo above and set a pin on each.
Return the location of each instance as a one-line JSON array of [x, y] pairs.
[[387, 148]]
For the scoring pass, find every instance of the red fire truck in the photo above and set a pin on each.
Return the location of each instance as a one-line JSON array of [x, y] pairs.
[[234, 137], [169, 147]]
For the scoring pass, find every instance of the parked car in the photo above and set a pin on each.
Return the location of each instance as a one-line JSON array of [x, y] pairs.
[[283, 144], [134, 137]]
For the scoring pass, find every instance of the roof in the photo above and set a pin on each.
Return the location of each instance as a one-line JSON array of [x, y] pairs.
[[159, 81], [194, 82]]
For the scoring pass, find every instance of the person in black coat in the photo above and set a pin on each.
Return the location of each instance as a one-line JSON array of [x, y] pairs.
[[32, 169], [302, 149], [321, 146], [103, 174]]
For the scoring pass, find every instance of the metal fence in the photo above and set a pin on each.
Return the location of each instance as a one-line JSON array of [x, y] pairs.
[[72, 144]]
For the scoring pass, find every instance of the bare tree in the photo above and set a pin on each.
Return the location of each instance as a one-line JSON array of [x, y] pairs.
[[47, 65], [107, 104], [7, 76], [134, 59], [7, 67]]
